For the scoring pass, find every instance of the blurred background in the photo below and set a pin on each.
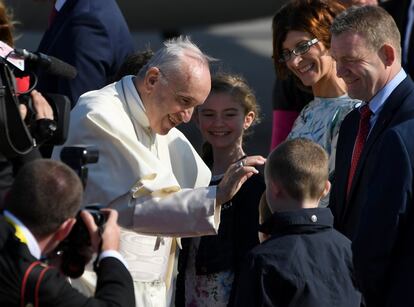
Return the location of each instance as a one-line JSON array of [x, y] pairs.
[[238, 33]]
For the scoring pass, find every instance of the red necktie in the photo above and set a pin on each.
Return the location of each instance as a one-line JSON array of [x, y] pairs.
[[52, 15], [363, 131]]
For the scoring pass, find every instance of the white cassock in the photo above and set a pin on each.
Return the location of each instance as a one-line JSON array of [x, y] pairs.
[[158, 184]]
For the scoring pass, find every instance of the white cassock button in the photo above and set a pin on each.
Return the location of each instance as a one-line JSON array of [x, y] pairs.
[[314, 218]]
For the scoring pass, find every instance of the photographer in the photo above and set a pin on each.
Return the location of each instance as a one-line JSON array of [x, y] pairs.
[[40, 212]]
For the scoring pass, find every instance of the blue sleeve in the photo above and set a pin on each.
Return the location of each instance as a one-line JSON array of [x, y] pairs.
[[95, 53]]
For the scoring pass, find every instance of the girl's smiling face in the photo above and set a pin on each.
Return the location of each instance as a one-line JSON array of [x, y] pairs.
[[222, 120]]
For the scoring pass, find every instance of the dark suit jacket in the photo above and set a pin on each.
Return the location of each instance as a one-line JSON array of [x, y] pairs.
[[398, 9], [91, 35], [114, 287], [380, 203]]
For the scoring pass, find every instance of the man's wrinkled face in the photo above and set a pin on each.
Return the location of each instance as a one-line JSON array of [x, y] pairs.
[[174, 97]]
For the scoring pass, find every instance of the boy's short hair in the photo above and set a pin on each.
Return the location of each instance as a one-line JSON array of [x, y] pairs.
[[300, 166]]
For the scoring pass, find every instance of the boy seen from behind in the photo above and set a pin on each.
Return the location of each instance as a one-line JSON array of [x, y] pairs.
[[305, 262]]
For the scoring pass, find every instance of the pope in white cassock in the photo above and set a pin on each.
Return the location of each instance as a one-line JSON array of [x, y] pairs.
[[147, 169]]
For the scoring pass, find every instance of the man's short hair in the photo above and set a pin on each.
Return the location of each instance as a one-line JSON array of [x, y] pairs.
[[44, 194], [371, 22], [300, 166]]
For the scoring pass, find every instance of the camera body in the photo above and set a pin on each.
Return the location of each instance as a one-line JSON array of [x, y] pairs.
[[75, 250], [18, 136], [46, 131]]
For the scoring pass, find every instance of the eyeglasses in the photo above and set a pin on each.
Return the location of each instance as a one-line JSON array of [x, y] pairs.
[[300, 49]]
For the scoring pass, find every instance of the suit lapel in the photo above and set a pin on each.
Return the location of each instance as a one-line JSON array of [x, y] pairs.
[[52, 33], [391, 106], [347, 134]]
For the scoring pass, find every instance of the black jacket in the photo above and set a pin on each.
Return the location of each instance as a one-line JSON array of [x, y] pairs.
[[114, 286], [304, 263]]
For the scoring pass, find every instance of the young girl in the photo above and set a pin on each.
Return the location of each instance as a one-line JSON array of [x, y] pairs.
[[210, 263], [301, 43]]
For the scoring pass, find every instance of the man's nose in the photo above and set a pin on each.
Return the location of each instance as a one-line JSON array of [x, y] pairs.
[[186, 115]]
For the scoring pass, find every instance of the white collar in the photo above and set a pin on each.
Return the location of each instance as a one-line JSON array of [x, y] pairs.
[[134, 102], [59, 4], [32, 244]]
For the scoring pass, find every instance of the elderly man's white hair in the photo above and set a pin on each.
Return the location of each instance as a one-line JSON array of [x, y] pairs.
[[168, 59]]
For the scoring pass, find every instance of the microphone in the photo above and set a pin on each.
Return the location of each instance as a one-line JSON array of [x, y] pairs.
[[50, 64]]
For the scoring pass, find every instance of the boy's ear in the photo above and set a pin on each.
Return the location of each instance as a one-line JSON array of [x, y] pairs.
[[275, 188], [326, 189]]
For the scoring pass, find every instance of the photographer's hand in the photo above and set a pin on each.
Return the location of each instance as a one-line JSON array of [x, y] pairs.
[[111, 233]]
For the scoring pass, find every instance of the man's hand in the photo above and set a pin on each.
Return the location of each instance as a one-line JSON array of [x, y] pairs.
[[235, 176], [111, 233], [40, 105]]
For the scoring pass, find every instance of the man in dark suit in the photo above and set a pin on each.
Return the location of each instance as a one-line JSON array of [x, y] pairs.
[[403, 13], [372, 195], [39, 213], [91, 35]]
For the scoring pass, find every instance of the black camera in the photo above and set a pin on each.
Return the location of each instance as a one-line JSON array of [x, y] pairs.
[[18, 136], [77, 157], [75, 250]]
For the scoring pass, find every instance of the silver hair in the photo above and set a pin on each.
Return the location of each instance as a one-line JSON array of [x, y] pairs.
[[169, 58]]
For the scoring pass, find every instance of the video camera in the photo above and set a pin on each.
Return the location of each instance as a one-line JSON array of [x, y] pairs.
[[75, 251], [19, 136]]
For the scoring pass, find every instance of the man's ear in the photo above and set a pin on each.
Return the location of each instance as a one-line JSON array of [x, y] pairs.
[[64, 229], [151, 78], [326, 189], [388, 54]]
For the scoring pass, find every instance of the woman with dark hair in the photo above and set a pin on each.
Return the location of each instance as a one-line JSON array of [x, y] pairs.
[[301, 43]]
